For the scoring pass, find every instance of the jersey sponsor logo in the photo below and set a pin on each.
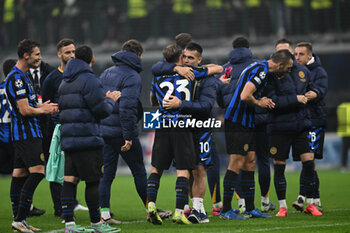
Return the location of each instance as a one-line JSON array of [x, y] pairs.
[[151, 120], [18, 83]]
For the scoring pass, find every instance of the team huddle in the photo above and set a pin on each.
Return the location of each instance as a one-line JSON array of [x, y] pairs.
[[269, 107]]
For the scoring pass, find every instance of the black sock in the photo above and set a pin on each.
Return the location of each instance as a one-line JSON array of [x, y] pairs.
[[92, 201], [27, 192], [301, 181], [67, 201], [317, 186], [280, 181], [15, 192], [75, 195], [56, 190], [248, 188], [230, 183], [152, 187], [309, 178], [181, 188]]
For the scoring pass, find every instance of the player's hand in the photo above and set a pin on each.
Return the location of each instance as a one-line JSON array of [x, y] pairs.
[[310, 95], [49, 108], [185, 72], [265, 102], [115, 95], [172, 102], [302, 99], [126, 146], [225, 80]]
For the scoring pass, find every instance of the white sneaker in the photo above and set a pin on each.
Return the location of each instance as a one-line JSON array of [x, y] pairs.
[[80, 207]]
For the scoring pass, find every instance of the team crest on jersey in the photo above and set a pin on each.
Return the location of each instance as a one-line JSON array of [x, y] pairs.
[[18, 83], [302, 76], [151, 120]]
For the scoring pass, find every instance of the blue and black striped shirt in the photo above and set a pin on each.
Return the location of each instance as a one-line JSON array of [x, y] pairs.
[[239, 111], [19, 86]]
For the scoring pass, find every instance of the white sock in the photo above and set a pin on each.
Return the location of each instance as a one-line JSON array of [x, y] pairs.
[[197, 203], [309, 201], [180, 211], [105, 214], [31, 207], [282, 203], [70, 223], [265, 200], [217, 205], [151, 203], [187, 207], [241, 202], [302, 197], [317, 201]]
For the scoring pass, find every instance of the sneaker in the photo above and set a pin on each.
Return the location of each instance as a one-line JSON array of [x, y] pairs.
[[311, 209], [77, 229], [266, 207], [188, 212], [35, 212], [180, 218], [22, 226], [154, 216], [230, 215], [318, 207], [216, 211], [198, 217], [111, 221], [283, 212], [255, 214], [298, 204], [163, 214], [103, 227], [80, 207]]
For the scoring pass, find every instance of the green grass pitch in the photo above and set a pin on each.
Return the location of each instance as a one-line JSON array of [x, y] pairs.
[[127, 206]]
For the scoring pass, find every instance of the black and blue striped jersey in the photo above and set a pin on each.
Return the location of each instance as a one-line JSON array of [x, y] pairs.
[[5, 119], [19, 86], [165, 86], [239, 111]]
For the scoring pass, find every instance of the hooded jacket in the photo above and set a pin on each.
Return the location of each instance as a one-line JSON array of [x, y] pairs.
[[318, 84], [82, 105], [239, 59], [124, 77]]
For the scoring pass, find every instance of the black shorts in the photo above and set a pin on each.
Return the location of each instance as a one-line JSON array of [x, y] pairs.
[[85, 164], [6, 157], [281, 142], [173, 144], [239, 139], [202, 143], [317, 140], [28, 153]]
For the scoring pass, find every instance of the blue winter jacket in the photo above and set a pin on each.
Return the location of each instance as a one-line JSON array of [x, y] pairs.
[[318, 84], [239, 59], [123, 77], [289, 115], [82, 105]]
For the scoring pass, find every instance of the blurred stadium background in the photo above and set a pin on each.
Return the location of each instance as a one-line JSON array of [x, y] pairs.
[[106, 24]]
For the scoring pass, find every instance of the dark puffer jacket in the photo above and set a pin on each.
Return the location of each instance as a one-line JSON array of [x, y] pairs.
[[82, 105], [124, 77]]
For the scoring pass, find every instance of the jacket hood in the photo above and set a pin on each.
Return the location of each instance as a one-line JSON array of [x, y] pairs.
[[127, 58], [75, 67], [240, 55], [315, 64]]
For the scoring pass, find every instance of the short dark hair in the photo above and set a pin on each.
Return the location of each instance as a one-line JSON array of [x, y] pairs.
[[84, 53], [26, 46], [183, 39], [172, 53], [308, 46], [192, 46], [133, 46], [8, 65], [64, 42], [283, 56], [283, 41], [240, 42]]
